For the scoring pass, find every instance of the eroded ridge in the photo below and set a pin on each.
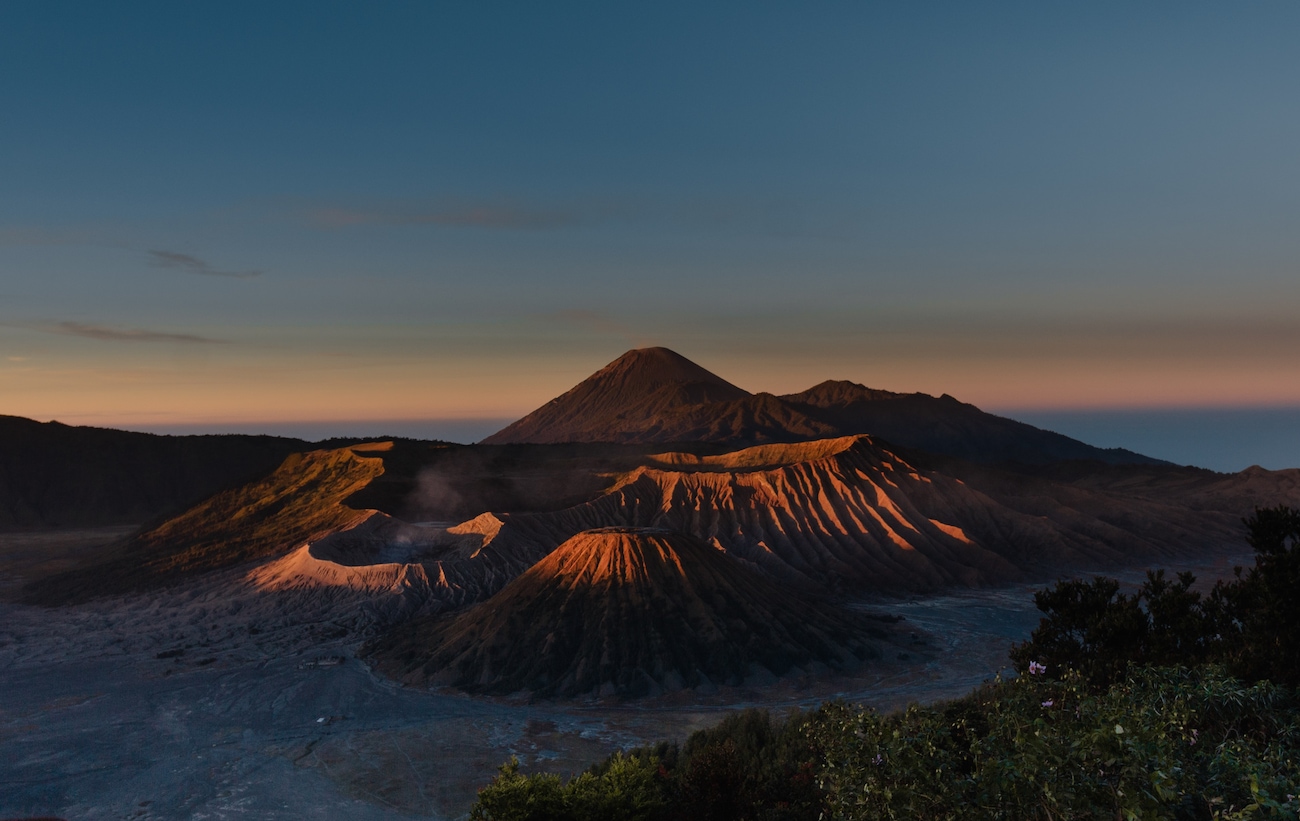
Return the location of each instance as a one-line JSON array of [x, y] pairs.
[[629, 612]]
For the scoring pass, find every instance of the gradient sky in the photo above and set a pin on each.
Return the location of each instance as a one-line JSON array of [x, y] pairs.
[[223, 214]]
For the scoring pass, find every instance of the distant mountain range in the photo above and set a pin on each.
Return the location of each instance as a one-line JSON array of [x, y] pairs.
[[653, 395]]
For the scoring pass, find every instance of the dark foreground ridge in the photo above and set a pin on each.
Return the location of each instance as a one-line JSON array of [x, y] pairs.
[[628, 612]]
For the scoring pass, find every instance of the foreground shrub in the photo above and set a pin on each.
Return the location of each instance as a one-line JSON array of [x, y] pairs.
[[626, 788], [750, 767], [1162, 743], [1175, 743], [1250, 623]]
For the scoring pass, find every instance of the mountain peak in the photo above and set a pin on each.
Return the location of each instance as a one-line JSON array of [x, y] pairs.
[[650, 368], [630, 395]]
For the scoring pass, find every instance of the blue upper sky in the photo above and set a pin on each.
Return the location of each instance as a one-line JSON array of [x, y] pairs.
[[256, 212]]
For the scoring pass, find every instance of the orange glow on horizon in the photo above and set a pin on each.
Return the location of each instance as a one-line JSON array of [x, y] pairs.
[[509, 388]]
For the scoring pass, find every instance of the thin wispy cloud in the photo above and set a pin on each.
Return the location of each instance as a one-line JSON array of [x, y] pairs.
[[489, 217], [105, 333], [194, 265]]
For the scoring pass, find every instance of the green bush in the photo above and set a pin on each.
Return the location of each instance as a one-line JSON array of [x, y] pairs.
[[1168, 742], [627, 787], [1162, 743], [1265, 604], [750, 767]]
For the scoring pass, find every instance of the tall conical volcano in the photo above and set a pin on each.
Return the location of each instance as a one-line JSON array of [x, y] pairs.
[[627, 611], [658, 395], [622, 400]]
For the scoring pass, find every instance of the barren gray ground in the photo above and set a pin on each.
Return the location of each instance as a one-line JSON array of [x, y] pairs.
[[265, 712]]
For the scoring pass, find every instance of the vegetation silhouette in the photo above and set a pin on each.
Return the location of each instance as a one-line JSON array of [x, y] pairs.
[[1250, 623]]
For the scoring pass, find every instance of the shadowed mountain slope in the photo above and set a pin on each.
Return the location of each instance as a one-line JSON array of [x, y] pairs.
[[945, 425], [299, 502], [1196, 488], [55, 475], [759, 418], [428, 481], [627, 612], [656, 396]]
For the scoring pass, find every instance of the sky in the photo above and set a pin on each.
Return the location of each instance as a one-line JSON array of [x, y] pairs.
[[249, 215]]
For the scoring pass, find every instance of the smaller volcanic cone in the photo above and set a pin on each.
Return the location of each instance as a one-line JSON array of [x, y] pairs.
[[627, 612]]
